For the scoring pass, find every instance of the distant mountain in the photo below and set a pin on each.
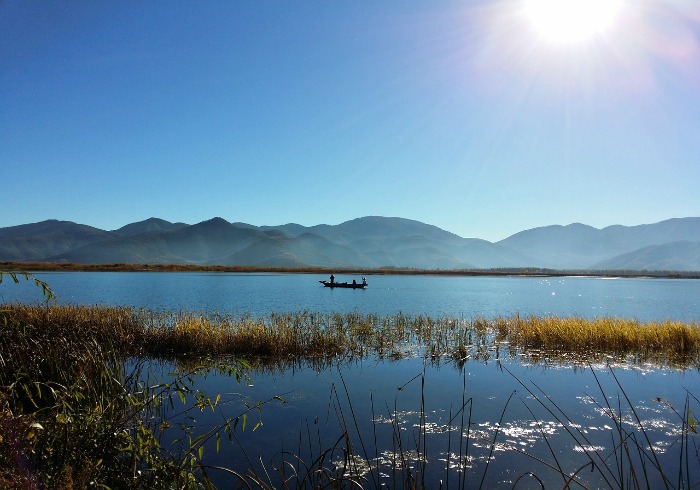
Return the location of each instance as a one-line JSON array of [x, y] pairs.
[[369, 242], [203, 243], [150, 225], [37, 241], [559, 247], [674, 256], [280, 250], [581, 246]]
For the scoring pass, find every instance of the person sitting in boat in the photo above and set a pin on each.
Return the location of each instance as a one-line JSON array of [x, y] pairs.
[[364, 281], [332, 278], [354, 282]]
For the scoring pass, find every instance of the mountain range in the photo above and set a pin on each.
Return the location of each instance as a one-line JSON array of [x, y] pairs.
[[369, 242]]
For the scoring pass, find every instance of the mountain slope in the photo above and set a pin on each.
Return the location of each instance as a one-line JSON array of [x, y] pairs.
[[581, 246], [671, 230], [205, 242], [37, 241], [149, 225], [281, 251], [674, 256], [368, 242], [559, 247]]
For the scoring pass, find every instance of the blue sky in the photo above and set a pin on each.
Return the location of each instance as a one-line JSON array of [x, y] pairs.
[[461, 114]]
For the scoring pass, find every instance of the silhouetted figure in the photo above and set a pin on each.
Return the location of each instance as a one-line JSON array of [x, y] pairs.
[[364, 281], [354, 281], [332, 278]]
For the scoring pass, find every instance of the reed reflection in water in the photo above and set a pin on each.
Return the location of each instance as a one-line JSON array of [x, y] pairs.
[[417, 420]]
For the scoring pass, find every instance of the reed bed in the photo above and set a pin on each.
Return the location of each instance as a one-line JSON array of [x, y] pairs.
[[280, 336], [311, 335], [103, 323], [61, 344], [673, 341]]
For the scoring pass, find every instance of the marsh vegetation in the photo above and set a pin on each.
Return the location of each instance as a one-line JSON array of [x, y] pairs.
[[311, 335], [81, 405]]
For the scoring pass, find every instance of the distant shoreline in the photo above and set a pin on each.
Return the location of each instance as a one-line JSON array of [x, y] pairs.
[[522, 272]]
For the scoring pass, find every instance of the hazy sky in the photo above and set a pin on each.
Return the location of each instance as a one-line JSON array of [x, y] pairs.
[[481, 117]]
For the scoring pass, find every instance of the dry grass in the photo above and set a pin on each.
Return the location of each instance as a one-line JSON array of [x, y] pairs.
[[308, 335], [280, 336], [516, 271], [672, 340], [63, 343]]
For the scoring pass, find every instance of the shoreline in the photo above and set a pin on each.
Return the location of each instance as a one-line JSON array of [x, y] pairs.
[[517, 272]]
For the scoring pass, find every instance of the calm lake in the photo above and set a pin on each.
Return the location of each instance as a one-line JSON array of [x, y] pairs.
[[522, 423], [261, 294]]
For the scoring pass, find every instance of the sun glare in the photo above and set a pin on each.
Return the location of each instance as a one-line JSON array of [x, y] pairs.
[[571, 21]]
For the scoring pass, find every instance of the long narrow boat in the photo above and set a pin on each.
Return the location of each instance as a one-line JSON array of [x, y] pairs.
[[351, 285]]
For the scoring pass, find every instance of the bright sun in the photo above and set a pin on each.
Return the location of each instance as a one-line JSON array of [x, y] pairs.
[[571, 21]]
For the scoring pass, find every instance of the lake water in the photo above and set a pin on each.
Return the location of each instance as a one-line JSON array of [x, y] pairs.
[[515, 411], [261, 294]]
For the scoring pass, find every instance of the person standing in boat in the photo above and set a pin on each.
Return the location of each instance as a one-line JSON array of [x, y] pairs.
[[364, 281], [332, 278]]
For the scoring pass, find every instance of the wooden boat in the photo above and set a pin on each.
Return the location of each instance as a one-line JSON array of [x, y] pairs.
[[351, 285]]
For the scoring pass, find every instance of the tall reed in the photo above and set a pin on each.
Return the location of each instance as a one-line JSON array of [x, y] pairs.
[[672, 340], [312, 336]]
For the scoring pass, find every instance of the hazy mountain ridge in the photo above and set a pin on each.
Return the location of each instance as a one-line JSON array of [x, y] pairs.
[[582, 246], [682, 255], [368, 242]]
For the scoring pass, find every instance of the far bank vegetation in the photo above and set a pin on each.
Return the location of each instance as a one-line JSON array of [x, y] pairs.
[[517, 271]]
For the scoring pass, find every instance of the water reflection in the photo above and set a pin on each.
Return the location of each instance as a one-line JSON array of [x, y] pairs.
[[377, 421]]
